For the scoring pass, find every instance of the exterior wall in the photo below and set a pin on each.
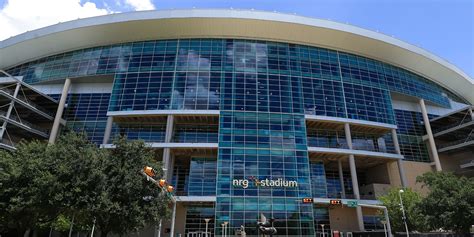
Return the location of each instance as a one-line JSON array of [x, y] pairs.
[[375, 189], [451, 162], [180, 219], [262, 91], [378, 174], [342, 218], [412, 170]]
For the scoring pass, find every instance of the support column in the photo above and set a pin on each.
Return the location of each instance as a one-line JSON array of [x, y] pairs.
[[108, 130], [355, 182], [426, 121], [59, 112], [166, 151], [341, 178], [9, 111], [401, 169], [168, 164]]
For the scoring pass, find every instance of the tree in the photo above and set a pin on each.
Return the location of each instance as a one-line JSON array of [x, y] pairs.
[[128, 202], [45, 183], [78, 177], [450, 202], [411, 201], [45, 186], [23, 178]]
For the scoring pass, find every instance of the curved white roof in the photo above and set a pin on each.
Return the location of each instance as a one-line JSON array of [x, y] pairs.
[[221, 23]]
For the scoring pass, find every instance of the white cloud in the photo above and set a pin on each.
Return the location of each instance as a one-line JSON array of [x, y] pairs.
[[19, 16], [140, 5]]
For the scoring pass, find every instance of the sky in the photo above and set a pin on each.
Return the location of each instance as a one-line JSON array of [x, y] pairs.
[[443, 27]]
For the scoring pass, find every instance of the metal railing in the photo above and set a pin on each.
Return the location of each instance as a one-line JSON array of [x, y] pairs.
[[327, 142], [23, 122], [34, 105], [469, 138], [8, 142], [25, 100], [466, 119], [195, 137]]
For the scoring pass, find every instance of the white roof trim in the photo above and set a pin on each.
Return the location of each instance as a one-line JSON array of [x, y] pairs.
[[127, 27]]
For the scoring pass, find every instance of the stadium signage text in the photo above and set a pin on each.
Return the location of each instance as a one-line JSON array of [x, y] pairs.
[[278, 183]]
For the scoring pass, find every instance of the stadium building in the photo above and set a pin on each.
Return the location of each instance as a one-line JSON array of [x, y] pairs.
[[251, 112]]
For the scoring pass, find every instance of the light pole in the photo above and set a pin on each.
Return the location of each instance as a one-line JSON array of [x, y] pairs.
[[225, 228], [160, 224], [207, 225], [158, 229], [403, 211], [149, 173], [93, 227], [384, 223]]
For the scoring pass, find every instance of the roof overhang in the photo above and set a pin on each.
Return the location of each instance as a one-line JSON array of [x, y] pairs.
[[240, 24]]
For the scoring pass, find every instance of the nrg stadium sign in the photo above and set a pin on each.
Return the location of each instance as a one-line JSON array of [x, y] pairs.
[[278, 183]]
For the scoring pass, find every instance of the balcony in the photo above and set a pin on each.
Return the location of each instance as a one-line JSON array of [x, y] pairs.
[[326, 136], [196, 133]]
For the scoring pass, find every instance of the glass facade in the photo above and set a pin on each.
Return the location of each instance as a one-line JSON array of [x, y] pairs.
[[410, 135], [329, 138], [195, 219], [195, 133], [372, 222], [321, 217], [188, 73], [326, 183], [152, 132], [259, 146], [202, 177], [87, 112], [263, 90]]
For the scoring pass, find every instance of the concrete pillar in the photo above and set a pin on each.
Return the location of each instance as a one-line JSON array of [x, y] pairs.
[[108, 130], [171, 167], [168, 163], [355, 182], [169, 128], [401, 169], [426, 121], [59, 112], [166, 151], [341, 178], [10, 109]]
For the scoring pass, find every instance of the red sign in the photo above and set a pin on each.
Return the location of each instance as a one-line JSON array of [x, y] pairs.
[[307, 200], [335, 202]]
